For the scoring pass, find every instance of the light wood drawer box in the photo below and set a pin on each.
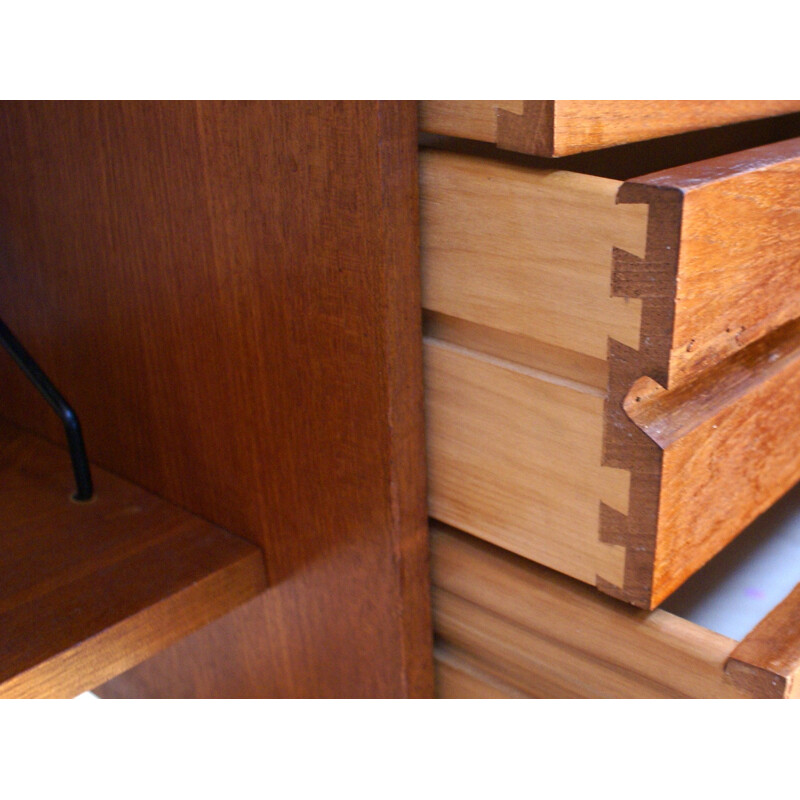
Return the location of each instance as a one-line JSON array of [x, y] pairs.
[[509, 628], [612, 367]]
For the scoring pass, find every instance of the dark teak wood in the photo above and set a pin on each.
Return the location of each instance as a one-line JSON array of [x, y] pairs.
[[90, 589], [229, 295]]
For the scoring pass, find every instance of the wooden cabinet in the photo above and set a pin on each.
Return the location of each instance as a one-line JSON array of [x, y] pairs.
[[230, 296]]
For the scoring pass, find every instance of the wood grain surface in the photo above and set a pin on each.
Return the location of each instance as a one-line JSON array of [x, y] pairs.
[[626, 161], [551, 360], [527, 252], [474, 119], [458, 678], [719, 287], [563, 127], [550, 636], [729, 450], [766, 662], [739, 241], [514, 457], [89, 590], [518, 268], [229, 295]]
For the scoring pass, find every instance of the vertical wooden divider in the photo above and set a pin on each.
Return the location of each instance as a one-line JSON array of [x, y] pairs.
[[229, 295]]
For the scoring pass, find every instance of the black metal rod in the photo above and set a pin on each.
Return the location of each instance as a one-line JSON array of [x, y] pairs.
[[72, 426]]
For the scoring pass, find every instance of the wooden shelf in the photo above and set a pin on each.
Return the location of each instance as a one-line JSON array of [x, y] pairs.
[[89, 590]]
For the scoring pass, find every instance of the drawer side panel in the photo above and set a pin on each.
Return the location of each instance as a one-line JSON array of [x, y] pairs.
[[515, 459]]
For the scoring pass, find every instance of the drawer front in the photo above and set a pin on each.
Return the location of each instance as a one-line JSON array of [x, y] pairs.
[[611, 367]]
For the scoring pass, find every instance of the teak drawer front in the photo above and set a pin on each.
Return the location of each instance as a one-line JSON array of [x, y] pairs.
[[612, 368], [564, 127]]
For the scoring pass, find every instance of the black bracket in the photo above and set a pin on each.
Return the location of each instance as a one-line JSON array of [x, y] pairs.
[[77, 450]]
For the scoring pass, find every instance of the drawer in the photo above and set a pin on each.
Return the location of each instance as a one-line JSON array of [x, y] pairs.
[[509, 628], [612, 367], [563, 127]]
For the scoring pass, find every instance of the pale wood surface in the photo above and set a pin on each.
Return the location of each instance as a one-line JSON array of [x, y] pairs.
[[517, 268], [527, 251], [515, 458], [458, 677], [562, 637], [540, 666], [563, 127], [88, 590], [473, 119], [550, 359], [767, 661]]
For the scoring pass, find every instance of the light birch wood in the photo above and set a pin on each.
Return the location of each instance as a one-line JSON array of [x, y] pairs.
[[720, 291], [562, 127], [458, 677], [514, 456], [472, 119], [556, 361], [541, 666], [536, 615], [527, 251]]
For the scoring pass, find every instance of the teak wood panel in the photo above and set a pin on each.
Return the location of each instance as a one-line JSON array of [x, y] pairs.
[[563, 127], [89, 590], [550, 636], [229, 295], [699, 410]]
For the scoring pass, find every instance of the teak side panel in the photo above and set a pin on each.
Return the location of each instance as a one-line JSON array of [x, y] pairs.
[[515, 459], [229, 295], [538, 613], [563, 127], [527, 251], [88, 590]]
